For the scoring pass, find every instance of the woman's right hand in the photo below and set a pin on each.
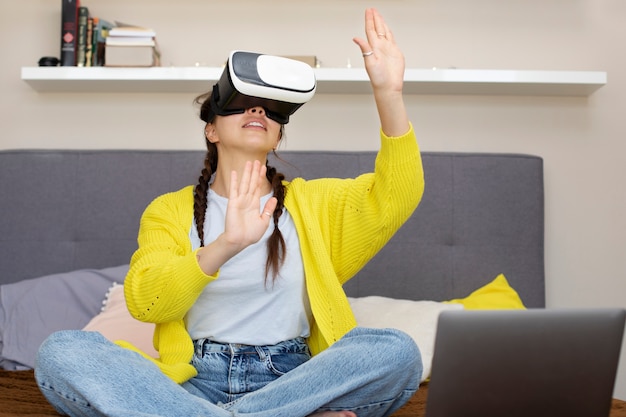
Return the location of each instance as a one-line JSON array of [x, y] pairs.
[[245, 222]]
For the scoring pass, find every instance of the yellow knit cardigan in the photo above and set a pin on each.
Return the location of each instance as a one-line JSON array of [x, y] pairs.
[[341, 224]]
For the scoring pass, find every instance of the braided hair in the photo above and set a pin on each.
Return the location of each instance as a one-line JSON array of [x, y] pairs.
[[276, 247]]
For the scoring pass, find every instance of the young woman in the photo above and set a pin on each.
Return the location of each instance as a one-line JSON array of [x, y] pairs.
[[243, 273]]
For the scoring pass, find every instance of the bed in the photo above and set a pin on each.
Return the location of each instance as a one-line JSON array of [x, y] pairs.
[[69, 220]]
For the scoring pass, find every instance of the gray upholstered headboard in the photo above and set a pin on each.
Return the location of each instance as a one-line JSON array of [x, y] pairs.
[[481, 215]]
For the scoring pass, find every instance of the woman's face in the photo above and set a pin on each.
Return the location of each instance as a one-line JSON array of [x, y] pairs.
[[250, 131]]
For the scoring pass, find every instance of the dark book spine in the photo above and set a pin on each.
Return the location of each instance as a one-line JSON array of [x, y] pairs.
[[83, 15], [69, 31]]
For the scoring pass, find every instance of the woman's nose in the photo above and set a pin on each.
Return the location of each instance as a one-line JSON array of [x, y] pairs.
[[256, 110]]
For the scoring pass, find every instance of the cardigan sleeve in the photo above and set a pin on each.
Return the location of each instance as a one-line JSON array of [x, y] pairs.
[[164, 279], [358, 216], [369, 210]]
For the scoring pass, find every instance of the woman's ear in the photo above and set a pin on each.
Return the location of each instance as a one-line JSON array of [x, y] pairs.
[[209, 132]]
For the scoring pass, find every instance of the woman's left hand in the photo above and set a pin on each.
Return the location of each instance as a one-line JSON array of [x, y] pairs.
[[384, 61]]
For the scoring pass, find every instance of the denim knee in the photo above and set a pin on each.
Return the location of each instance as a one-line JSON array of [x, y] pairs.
[[402, 346], [64, 348], [52, 348], [400, 354]]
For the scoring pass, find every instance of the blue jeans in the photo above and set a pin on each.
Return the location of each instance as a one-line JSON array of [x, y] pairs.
[[371, 372]]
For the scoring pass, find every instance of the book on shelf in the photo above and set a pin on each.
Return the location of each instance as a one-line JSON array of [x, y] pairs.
[[129, 41], [89, 61], [101, 29], [128, 30], [131, 56], [129, 35], [131, 46], [81, 50], [69, 31]]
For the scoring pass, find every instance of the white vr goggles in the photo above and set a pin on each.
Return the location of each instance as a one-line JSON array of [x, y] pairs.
[[279, 85]]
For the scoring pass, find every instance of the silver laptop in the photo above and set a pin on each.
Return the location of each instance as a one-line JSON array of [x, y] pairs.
[[530, 363]]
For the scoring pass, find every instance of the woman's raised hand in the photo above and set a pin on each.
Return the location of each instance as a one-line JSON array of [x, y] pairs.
[[384, 63], [383, 58]]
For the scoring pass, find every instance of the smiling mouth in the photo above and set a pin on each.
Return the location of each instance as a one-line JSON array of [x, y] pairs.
[[254, 124]]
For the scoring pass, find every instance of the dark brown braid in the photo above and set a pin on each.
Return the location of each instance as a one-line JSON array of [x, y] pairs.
[[276, 247], [200, 199]]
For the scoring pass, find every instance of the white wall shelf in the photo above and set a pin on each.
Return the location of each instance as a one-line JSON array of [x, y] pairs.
[[330, 81]]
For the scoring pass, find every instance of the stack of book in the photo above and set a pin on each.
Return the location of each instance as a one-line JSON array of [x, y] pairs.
[[131, 46], [88, 41]]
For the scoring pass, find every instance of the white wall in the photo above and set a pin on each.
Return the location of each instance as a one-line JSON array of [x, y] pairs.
[[582, 140]]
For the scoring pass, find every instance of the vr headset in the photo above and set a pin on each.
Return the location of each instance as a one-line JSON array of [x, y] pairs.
[[279, 85]]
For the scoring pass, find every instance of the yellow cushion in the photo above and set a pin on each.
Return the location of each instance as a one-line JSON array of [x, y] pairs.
[[498, 294]]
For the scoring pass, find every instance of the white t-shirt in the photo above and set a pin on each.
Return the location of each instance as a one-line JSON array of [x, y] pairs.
[[241, 306]]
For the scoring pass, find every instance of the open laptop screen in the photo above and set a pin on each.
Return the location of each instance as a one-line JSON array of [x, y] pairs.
[[537, 362]]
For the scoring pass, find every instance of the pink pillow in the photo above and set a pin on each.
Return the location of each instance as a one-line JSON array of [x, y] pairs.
[[116, 323]]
